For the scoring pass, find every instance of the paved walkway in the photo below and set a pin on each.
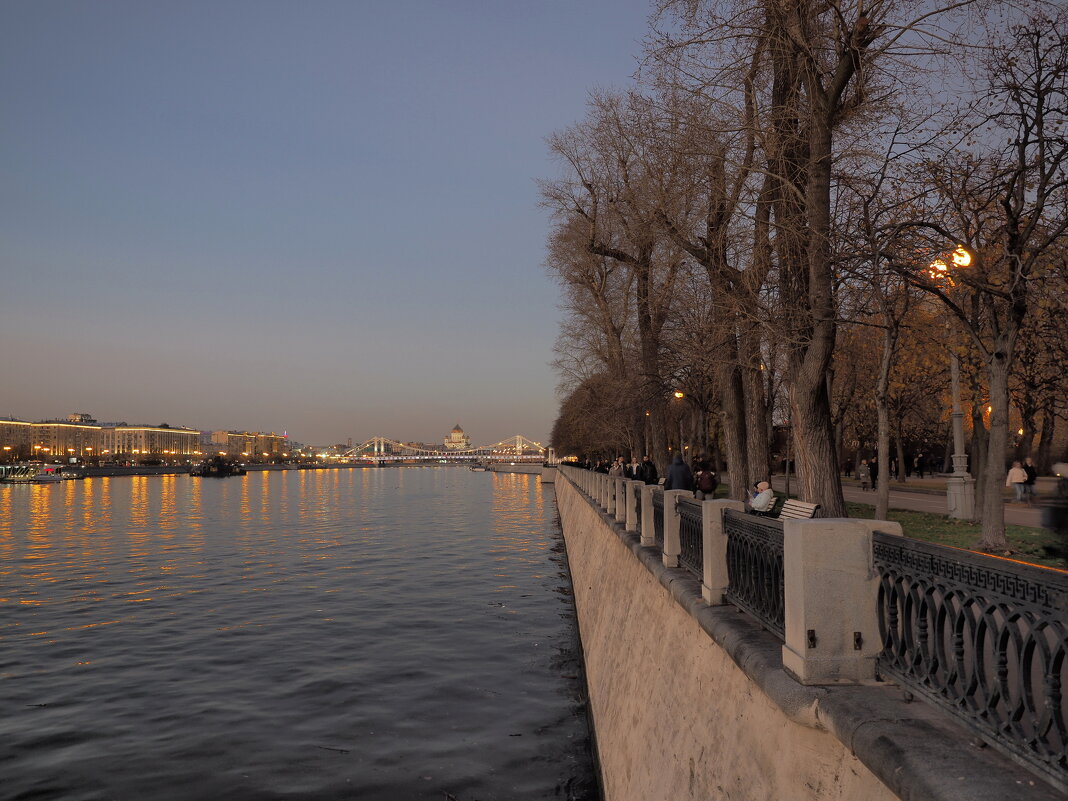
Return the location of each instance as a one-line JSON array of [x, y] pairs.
[[929, 495]]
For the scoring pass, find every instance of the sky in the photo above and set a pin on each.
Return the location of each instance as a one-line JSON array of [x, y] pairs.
[[316, 217]]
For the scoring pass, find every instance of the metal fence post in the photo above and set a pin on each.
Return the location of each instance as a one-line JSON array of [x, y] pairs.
[[831, 593], [672, 545], [714, 576]]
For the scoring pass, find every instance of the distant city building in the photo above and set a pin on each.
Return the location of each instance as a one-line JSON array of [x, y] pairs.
[[457, 440], [156, 441], [80, 436], [249, 444], [16, 440]]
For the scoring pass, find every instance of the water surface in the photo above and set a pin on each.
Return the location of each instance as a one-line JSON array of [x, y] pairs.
[[401, 633]]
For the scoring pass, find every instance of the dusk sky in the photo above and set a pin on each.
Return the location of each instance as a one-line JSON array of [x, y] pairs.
[[318, 217]]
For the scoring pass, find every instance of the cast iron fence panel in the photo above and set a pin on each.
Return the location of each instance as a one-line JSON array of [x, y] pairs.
[[983, 638], [691, 536], [658, 518], [754, 568]]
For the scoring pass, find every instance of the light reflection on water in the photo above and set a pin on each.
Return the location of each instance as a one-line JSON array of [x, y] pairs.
[[372, 634]]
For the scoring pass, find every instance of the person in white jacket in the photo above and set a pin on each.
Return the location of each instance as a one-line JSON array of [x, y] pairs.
[[763, 500], [1017, 479]]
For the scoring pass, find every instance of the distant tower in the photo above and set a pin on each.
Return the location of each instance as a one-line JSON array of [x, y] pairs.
[[457, 440]]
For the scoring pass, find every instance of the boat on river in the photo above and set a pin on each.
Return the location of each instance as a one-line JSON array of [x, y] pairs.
[[30, 474], [217, 467]]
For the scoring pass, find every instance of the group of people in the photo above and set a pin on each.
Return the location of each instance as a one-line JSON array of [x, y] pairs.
[[645, 470], [1021, 478], [917, 465], [700, 479]]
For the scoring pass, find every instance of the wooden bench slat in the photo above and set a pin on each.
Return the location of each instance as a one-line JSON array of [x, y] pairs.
[[797, 510]]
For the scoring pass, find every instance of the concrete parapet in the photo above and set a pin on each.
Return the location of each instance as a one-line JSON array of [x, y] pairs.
[[672, 543], [715, 580], [831, 591], [621, 499], [634, 504], [648, 532], [690, 702]]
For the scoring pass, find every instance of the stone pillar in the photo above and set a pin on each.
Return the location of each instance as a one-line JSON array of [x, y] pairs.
[[714, 576], [831, 590], [648, 531], [672, 542], [622, 500], [633, 491], [610, 494]]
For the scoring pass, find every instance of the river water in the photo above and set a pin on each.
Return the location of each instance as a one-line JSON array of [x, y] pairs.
[[400, 633]]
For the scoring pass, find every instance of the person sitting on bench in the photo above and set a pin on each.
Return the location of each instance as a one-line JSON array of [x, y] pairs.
[[762, 501]]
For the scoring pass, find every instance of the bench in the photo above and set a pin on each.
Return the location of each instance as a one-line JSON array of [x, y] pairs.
[[797, 510], [790, 509]]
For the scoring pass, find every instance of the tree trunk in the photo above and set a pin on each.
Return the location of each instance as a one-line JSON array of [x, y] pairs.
[[732, 416], [978, 454], [758, 448], [901, 471], [993, 477], [882, 410], [1043, 456]]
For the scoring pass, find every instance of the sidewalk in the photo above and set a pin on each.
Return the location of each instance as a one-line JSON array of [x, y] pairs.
[[929, 495]]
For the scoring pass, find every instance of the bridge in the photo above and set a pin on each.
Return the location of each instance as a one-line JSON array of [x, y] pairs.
[[383, 450]]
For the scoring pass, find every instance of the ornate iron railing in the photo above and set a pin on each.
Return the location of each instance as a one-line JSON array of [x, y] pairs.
[[754, 568], [658, 518], [983, 638], [691, 536]]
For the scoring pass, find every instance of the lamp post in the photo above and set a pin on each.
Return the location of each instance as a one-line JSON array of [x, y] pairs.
[[960, 486]]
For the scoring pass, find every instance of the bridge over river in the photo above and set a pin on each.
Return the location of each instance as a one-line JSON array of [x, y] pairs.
[[383, 450]]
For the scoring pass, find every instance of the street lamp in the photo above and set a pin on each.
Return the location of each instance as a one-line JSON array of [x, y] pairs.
[[960, 486]]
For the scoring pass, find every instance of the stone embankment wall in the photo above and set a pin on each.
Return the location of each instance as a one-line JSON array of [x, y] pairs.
[[674, 717], [692, 701]]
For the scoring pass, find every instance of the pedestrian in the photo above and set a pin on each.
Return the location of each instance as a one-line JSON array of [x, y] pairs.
[[762, 501], [679, 476], [1032, 476], [617, 467], [649, 474], [1016, 479], [634, 469], [864, 474], [874, 466], [705, 479], [917, 464], [849, 468]]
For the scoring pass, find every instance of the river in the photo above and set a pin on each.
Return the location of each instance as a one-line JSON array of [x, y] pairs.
[[396, 633]]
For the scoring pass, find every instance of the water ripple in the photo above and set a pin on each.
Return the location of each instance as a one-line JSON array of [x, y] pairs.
[[372, 634]]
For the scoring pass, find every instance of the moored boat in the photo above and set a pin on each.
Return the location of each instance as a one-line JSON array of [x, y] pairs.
[[30, 474], [217, 467]]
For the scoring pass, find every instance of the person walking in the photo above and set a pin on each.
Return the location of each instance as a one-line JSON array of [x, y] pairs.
[[649, 474], [873, 466], [1032, 476], [864, 474], [1017, 478], [705, 479], [679, 476]]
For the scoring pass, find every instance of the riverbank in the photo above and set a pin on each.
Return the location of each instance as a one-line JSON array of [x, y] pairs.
[[104, 471]]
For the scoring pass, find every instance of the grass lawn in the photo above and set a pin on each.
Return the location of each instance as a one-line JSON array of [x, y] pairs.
[[1036, 545]]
